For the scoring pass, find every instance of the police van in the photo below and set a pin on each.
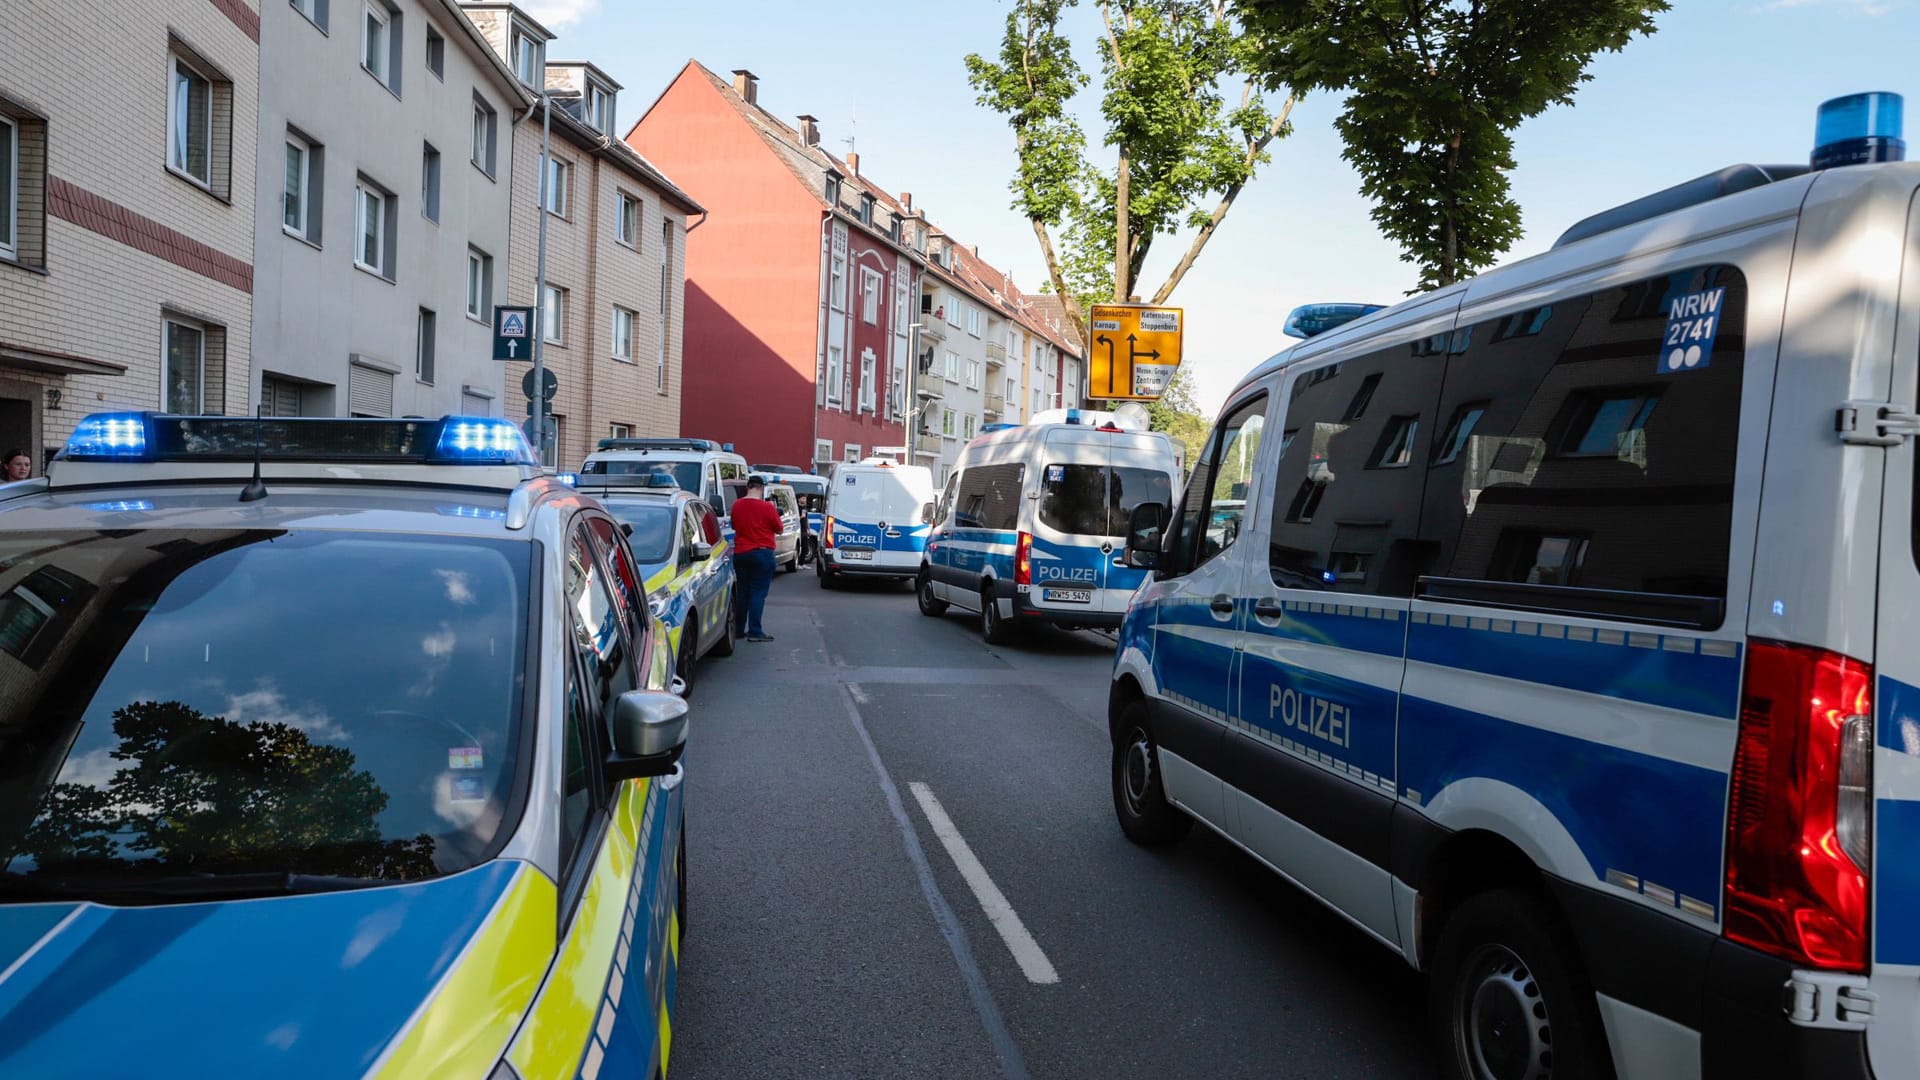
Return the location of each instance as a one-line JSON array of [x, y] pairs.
[[875, 522], [1558, 629], [697, 465], [1031, 522]]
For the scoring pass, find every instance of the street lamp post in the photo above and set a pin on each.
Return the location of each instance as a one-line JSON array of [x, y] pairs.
[[539, 397]]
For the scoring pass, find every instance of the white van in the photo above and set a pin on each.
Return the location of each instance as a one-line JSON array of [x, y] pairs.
[[1031, 522], [697, 465], [875, 524], [1561, 630]]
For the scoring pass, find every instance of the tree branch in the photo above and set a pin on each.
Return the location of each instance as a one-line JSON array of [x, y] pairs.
[[1226, 203], [1076, 318]]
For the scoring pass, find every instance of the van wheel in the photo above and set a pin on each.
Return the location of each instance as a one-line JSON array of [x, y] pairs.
[[826, 575], [992, 626], [688, 659], [1508, 1001], [793, 567], [724, 647], [930, 605], [1139, 798]]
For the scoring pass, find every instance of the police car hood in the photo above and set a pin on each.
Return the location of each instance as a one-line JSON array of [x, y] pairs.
[[318, 984]]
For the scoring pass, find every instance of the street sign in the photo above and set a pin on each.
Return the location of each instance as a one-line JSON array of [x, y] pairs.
[[1136, 350], [512, 333], [548, 387]]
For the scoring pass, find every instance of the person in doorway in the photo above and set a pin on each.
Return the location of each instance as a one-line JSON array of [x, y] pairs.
[[17, 465], [756, 523]]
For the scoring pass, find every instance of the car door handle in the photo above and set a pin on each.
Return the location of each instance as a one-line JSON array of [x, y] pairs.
[[1268, 608], [1222, 604], [893, 532]]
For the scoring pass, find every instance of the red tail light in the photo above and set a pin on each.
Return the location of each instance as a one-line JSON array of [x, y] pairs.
[[1799, 807], [1023, 560], [826, 532]]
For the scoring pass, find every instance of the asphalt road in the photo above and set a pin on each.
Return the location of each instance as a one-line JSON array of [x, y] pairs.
[[831, 931]]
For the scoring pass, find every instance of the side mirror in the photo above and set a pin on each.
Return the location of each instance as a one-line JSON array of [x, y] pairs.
[[626, 528], [702, 552], [926, 514], [1144, 527], [649, 731]]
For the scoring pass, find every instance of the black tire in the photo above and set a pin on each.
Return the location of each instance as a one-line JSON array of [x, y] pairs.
[[688, 660], [1139, 799], [827, 580], [1508, 999], [724, 647], [793, 567], [992, 627], [930, 605]]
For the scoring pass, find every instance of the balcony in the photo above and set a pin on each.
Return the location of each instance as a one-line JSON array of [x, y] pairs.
[[996, 404], [929, 390], [927, 444], [996, 354]]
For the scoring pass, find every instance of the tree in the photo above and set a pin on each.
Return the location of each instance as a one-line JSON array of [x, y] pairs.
[[1178, 415], [1434, 89], [1178, 142]]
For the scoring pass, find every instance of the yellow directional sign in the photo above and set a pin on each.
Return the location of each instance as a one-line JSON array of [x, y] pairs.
[[1136, 350]]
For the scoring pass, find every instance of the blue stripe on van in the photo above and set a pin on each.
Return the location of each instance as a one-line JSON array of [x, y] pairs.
[[1359, 629], [1661, 821], [1690, 681], [1896, 883], [1899, 724], [1346, 720], [1179, 659]]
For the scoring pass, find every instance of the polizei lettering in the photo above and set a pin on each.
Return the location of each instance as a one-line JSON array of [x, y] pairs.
[[1312, 716], [1046, 572]]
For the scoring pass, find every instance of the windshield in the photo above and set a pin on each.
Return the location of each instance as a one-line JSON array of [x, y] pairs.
[[652, 536], [684, 473], [224, 702]]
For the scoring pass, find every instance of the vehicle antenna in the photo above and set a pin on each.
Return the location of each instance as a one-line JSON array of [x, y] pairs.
[[256, 488]]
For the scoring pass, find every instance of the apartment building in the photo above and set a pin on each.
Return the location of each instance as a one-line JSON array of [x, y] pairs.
[[612, 311], [385, 132], [127, 150]]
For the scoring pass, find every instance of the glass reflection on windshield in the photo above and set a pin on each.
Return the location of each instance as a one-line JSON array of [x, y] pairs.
[[652, 536]]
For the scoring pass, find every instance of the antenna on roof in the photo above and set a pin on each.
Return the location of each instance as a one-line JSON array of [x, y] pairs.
[[256, 489], [852, 126]]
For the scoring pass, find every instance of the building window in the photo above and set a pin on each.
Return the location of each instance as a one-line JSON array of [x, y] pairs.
[[967, 427], [436, 53], [485, 135], [666, 296], [833, 189], [973, 320], [869, 297], [297, 201], [836, 374], [952, 369], [869, 391], [186, 363], [376, 44], [1459, 431], [430, 183], [314, 10], [559, 174], [423, 346], [600, 109], [373, 229], [822, 451], [553, 315], [837, 294], [946, 423], [973, 374], [866, 209], [853, 453], [9, 188], [623, 334], [479, 284], [953, 311], [190, 147], [527, 61], [626, 219], [1606, 425], [620, 431], [23, 157], [1395, 450]]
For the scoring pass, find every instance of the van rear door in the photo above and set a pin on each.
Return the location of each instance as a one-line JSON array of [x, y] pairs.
[[1071, 522], [1141, 470]]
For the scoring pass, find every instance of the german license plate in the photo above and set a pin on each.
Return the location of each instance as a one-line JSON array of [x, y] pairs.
[[856, 555], [1068, 596]]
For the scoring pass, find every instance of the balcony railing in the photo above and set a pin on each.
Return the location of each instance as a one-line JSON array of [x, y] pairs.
[[996, 354], [927, 444], [996, 404]]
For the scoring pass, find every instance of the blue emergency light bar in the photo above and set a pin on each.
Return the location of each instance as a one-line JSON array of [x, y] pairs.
[[146, 436], [1858, 129], [1308, 320]]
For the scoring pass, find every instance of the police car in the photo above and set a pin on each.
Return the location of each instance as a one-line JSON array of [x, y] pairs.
[[1557, 629], [697, 465], [684, 561], [332, 748]]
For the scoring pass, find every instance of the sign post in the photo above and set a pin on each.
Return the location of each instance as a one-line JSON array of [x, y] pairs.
[[512, 333], [1136, 350]]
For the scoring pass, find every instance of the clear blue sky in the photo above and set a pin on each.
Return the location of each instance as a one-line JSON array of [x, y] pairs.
[[1722, 81]]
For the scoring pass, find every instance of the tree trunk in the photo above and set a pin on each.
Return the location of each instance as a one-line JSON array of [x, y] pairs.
[[1122, 253], [1076, 318]]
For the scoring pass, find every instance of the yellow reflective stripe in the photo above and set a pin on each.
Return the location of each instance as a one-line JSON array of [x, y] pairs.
[[561, 1021], [476, 1009], [664, 575], [675, 938], [666, 1036]]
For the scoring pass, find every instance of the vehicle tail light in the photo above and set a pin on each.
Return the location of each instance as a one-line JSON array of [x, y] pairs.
[[826, 532], [1023, 560], [1797, 844]]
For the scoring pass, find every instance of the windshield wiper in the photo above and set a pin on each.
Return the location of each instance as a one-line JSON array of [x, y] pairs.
[[132, 887]]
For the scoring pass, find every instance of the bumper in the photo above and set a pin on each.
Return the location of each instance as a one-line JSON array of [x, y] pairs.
[[864, 569]]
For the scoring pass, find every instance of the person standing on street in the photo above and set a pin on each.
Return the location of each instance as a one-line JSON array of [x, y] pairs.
[[756, 523]]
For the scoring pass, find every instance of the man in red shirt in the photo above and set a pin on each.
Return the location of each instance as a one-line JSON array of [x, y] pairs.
[[756, 524]]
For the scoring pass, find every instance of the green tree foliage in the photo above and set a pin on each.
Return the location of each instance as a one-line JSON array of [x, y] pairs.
[[1177, 414], [1178, 140], [1433, 90], [203, 794]]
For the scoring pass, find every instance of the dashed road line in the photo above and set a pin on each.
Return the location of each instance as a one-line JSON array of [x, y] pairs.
[[1026, 951]]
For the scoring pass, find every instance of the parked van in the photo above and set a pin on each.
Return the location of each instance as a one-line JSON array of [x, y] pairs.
[[697, 465], [1030, 525], [876, 522], [1560, 629]]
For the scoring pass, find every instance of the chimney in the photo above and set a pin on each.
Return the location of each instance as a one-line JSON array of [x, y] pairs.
[[853, 162], [906, 200], [809, 130], [747, 85], [976, 251]]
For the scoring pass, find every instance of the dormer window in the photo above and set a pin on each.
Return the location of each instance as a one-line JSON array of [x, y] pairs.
[[529, 61], [866, 209], [833, 188], [600, 109]]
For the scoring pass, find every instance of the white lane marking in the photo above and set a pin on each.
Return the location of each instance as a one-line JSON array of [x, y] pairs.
[[859, 695], [1025, 950]]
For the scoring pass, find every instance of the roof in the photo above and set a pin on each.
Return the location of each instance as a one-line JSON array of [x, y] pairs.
[[599, 73], [586, 136], [517, 11], [478, 46]]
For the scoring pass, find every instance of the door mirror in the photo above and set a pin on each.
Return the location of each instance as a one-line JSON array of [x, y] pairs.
[[1144, 528], [926, 514], [649, 731], [626, 528], [701, 552]]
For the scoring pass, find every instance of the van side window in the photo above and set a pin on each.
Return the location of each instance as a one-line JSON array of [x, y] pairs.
[[1595, 447], [945, 505], [988, 497], [1216, 499], [1346, 494]]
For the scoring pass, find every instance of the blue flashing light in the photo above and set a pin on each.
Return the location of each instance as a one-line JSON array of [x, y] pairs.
[[109, 437], [728, 447], [1329, 576], [985, 428], [567, 478], [1308, 320], [1073, 416], [474, 513], [482, 440], [119, 506], [1858, 129]]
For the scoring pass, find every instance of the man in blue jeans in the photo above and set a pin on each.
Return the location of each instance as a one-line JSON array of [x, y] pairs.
[[756, 522]]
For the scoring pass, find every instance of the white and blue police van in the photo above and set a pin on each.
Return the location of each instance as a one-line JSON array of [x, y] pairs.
[[1560, 629], [875, 524], [1031, 522]]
